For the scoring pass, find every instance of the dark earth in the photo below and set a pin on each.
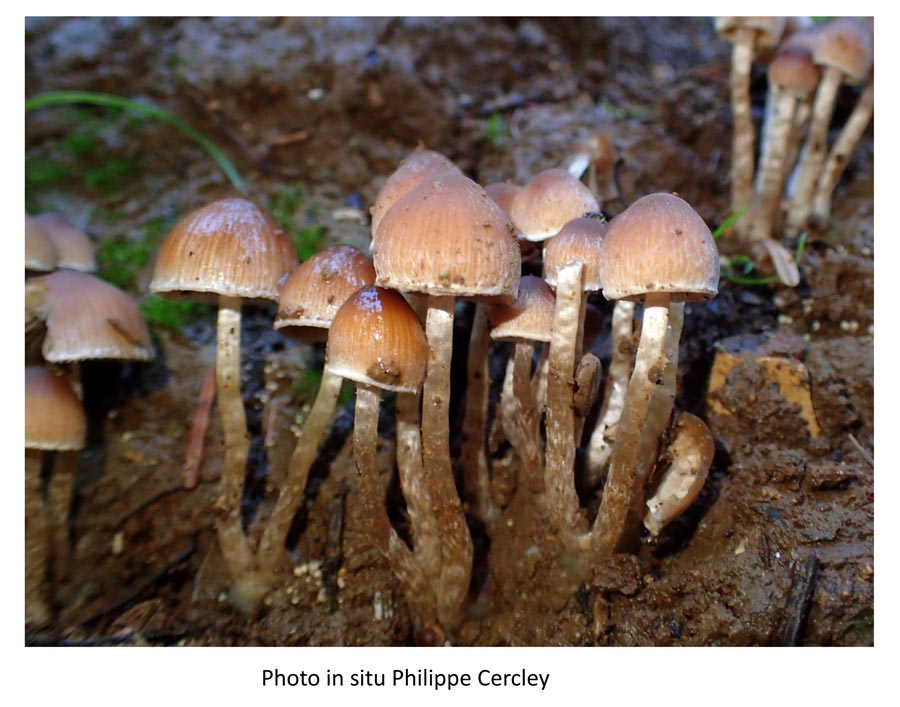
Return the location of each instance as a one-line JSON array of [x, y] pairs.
[[316, 113]]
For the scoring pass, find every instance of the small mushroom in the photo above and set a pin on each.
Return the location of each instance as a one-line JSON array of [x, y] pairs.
[[307, 304], [690, 454], [659, 251], [548, 202], [843, 48], [74, 248], [747, 34], [40, 253], [228, 251]]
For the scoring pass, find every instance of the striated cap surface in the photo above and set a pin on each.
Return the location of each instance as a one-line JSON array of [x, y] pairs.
[[548, 202], [659, 244], [314, 292], [447, 237], [530, 317], [580, 239], [377, 339], [230, 247]]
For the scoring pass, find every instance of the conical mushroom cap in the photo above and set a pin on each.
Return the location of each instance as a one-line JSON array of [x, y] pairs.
[[530, 317], [659, 244], [580, 239], [40, 254], [54, 416], [74, 248], [447, 237], [230, 247], [377, 339], [548, 202]]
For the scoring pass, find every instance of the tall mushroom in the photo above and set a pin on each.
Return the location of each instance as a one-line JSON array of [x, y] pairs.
[[54, 421], [307, 304], [446, 239], [228, 251], [661, 252], [377, 341], [843, 48], [747, 34]]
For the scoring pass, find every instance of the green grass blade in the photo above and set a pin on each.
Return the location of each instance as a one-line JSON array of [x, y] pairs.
[[57, 98]]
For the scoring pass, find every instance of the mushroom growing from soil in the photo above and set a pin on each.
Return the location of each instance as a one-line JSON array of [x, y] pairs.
[[746, 34], [843, 48], [446, 238], [792, 77], [661, 252], [307, 304], [229, 250], [377, 341], [54, 421]]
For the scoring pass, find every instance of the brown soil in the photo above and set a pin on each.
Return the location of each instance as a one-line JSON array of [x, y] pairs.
[[332, 106]]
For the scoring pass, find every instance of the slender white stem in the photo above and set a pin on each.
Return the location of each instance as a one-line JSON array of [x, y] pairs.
[[771, 170], [625, 486], [521, 423], [743, 137], [601, 443], [271, 545], [850, 135]]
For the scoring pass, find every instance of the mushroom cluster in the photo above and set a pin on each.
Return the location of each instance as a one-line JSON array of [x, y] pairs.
[[71, 316], [798, 167]]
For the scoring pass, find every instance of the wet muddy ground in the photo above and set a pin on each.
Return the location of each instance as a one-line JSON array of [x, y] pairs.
[[316, 113]]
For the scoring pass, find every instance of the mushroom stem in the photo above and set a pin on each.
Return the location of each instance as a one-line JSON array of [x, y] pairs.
[[233, 541], [539, 379], [476, 478], [601, 443], [59, 502], [422, 522], [271, 546], [456, 571], [839, 156], [626, 485], [37, 603], [743, 137], [771, 170], [521, 421], [814, 151], [190, 470], [559, 479], [798, 129], [365, 441]]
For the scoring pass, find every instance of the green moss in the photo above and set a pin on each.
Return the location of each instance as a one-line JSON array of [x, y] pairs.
[[288, 207], [172, 314], [495, 132], [119, 260]]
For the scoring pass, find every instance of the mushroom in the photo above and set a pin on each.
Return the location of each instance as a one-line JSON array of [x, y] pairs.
[[793, 76], [843, 48], [548, 202], [578, 243], [376, 340], [54, 421], [446, 238], [40, 254], [74, 248], [307, 304], [527, 320], [418, 167], [843, 147], [228, 250], [746, 34], [597, 154], [689, 454], [659, 251]]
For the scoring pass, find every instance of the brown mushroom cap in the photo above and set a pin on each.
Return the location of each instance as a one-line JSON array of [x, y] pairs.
[[548, 202], [230, 247], [768, 29], [314, 292], [530, 317], [73, 247], [659, 244], [377, 339], [418, 167], [40, 254], [88, 318], [793, 70], [447, 237], [845, 44], [54, 416], [580, 239]]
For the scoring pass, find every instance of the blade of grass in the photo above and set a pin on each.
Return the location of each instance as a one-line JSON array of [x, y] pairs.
[[57, 98], [729, 221]]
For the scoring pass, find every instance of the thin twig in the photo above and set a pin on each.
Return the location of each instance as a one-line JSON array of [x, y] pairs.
[[862, 450]]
